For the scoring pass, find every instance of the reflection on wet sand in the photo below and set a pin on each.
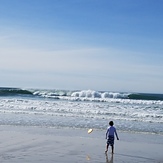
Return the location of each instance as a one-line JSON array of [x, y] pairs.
[[88, 158], [109, 160]]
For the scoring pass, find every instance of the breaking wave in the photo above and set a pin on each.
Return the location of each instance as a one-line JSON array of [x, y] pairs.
[[90, 95]]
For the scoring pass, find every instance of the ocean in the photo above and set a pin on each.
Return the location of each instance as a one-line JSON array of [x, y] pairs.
[[82, 109]]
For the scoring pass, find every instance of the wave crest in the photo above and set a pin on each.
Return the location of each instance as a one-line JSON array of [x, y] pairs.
[[96, 94], [91, 95]]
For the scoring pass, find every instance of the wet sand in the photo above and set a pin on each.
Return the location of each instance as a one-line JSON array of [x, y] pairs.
[[40, 144]]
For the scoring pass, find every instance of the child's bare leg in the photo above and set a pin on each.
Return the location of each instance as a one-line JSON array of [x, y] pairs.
[[112, 147], [106, 147]]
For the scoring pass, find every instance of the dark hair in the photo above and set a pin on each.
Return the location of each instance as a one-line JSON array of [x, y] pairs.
[[111, 123]]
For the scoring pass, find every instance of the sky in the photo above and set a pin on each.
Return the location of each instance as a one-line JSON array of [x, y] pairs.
[[105, 45]]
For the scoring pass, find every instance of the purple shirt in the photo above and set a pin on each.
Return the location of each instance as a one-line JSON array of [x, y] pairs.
[[111, 131]]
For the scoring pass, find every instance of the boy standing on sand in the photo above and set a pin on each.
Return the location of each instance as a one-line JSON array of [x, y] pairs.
[[110, 136]]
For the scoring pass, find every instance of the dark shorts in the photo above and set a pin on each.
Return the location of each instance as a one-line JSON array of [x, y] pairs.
[[110, 140]]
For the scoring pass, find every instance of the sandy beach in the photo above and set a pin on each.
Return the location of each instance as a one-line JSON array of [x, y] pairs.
[[40, 144]]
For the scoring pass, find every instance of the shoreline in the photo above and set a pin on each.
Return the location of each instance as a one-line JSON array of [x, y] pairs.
[[41, 144]]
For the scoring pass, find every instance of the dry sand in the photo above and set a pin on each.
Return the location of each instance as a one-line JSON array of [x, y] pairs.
[[50, 145]]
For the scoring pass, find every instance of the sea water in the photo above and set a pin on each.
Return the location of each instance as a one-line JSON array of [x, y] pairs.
[[82, 109]]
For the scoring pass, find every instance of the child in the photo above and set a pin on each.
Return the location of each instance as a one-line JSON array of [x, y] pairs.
[[110, 136]]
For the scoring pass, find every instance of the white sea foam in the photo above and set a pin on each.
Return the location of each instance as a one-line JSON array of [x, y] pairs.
[[82, 109], [120, 110], [95, 96]]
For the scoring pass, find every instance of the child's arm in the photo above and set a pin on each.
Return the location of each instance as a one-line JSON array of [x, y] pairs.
[[107, 133], [116, 134]]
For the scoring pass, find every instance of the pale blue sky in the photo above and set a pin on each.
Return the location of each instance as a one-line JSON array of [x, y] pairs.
[[112, 45]]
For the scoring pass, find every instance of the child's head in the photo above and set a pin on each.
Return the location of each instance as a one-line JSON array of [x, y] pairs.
[[111, 123]]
